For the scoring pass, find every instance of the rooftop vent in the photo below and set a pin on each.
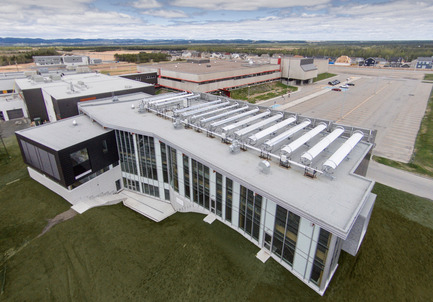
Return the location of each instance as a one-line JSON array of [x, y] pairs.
[[265, 167], [235, 147], [74, 122], [132, 106], [115, 99], [177, 124], [141, 107]]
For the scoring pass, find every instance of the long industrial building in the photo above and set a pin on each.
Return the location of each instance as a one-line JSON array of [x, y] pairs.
[[292, 185], [213, 75]]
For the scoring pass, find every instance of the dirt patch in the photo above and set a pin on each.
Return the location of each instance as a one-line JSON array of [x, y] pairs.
[[105, 55], [59, 218]]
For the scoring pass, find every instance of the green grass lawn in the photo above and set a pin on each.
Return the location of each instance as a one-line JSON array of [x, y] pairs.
[[422, 161], [261, 92], [114, 254], [323, 76], [428, 77]]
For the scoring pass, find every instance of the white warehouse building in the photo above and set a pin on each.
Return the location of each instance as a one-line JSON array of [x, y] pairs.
[[294, 186]]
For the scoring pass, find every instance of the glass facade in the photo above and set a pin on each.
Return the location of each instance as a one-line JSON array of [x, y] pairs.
[[285, 234], [125, 143], [172, 167], [229, 199], [186, 181], [195, 186], [249, 212], [147, 170], [219, 194], [146, 157], [164, 161], [320, 256], [200, 184]]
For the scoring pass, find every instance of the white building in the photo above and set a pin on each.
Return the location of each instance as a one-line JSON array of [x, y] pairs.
[[54, 96], [12, 106], [294, 186]]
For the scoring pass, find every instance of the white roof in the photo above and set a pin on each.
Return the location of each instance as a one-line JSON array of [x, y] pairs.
[[332, 204], [63, 134], [77, 85]]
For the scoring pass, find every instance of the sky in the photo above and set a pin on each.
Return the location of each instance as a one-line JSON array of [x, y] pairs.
[[311, 20]]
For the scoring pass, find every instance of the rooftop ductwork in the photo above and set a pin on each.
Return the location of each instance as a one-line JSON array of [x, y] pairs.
[[215, 117], [269, 144], [230, 127], [192, 108], [292, 147], [308, 156], [233, 118], [246, 130], [252, 140], [202, 115], [336, 158]]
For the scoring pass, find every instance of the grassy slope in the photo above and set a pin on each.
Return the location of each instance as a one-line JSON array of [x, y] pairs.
[[114, 254], [422, 162], [428, 77], [323, 76], [25, 205]]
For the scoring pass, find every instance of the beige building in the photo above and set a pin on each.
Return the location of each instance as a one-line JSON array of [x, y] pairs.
[[210, 75], [213, 75]]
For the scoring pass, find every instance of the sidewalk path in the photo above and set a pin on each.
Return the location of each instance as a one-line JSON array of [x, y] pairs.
[[401, 180]]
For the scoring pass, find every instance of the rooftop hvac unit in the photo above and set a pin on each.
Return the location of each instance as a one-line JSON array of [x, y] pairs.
[[265, 167], [141, 107], [177, 124], [235, 147]]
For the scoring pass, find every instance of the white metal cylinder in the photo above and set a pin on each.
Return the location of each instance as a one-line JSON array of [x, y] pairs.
[[343, 151], [308, 156], [279, 138], [265, 132], [292, 147]]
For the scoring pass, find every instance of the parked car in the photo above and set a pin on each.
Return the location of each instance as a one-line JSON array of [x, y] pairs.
[[333, 83], [336, 89], [351, 84], [344, 86]]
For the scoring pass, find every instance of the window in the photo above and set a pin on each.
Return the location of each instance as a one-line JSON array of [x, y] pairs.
[[229, 199], [104, 147], [285, 234], [219, 193], [250, 212], [320, 257], [80, 163], [172, 165], [146, 157], [164, 162], [186, 176], [200, 184]]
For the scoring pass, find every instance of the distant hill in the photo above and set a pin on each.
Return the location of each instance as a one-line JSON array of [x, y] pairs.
[[8, 41]]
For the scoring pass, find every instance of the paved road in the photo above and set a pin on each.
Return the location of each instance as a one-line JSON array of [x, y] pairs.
[[393, 102], [401, 180]]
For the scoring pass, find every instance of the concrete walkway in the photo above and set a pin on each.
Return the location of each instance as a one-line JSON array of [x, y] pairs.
[[401, 180]]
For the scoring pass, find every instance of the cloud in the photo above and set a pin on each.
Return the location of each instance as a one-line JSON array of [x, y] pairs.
[[146, 4], [396, 20], [245, 5], [166, 13]]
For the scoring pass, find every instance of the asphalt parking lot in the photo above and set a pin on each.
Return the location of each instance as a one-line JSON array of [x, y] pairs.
[[391, 101]]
